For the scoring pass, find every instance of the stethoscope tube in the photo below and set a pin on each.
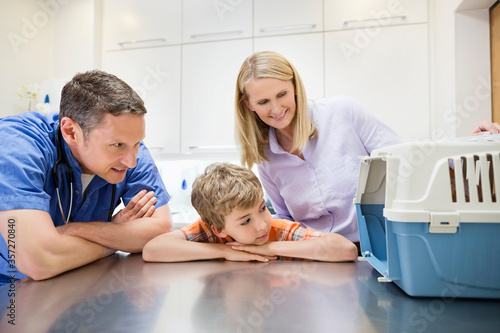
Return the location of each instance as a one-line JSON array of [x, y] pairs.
[[61, 159]]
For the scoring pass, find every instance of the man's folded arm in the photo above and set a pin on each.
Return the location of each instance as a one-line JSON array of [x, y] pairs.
[[41, 252]]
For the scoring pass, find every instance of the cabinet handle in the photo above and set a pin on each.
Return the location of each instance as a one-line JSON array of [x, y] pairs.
[[155, 149], [142, 41], [347, 23], [288, 27], [215, 34], [221, 147]]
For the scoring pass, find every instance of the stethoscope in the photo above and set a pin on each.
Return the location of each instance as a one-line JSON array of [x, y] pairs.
[[61, 159]]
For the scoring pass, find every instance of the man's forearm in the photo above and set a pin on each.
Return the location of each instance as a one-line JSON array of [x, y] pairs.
[[63, 254], [130, 236], [42, 252]]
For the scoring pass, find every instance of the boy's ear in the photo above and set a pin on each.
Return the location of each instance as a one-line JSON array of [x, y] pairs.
[[218, 233]]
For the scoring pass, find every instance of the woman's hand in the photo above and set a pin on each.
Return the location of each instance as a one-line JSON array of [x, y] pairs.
[[486, 128]]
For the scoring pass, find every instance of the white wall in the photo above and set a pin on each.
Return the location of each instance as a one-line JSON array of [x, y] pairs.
[[460, 66], [45, 39], [75, 44], [25, 49], [75, 38]]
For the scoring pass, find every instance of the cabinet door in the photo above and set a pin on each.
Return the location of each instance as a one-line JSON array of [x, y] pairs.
[[209, 73], [305, 52], [387, 73], [154, 73], [140, 23], [207, 20], [352, 14], [279, 17]]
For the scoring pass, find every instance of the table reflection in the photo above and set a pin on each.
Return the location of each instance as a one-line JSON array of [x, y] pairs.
[[121, 293], [256, 297]]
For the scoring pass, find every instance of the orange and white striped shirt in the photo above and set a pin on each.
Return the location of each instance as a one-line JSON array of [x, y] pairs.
[[281, 230]]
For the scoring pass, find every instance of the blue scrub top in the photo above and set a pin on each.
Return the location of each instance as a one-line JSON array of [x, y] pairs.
[[28, 150]]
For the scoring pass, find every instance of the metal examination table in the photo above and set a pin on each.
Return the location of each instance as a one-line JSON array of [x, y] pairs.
[[121, 293]]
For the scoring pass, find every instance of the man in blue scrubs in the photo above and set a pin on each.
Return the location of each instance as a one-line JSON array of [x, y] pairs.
[[98, 136]]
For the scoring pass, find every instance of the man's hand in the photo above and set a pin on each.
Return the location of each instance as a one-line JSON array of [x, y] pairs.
[[142, 205]]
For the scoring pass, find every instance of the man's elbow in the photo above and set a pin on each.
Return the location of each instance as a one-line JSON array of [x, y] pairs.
[[37, 269], [40, 275], [164, 218], [168, 227], [164, 225]]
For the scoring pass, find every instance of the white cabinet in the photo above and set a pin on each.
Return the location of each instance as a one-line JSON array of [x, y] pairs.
[[352, 14], [209, 73], [388, 73], [305, 52], [154, 73], [207, 20], [187, 54], [279, 17], [140, 23]]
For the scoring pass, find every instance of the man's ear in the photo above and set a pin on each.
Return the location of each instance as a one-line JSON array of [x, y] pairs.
[[218, 233], [71, 131]]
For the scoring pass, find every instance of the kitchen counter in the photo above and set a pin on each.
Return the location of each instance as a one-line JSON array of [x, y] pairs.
[[121, 293]]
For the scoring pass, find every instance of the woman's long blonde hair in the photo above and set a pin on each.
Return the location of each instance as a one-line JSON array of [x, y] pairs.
[[252, 132]]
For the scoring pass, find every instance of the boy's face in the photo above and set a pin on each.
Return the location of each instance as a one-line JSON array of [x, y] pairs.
[[249, 226]]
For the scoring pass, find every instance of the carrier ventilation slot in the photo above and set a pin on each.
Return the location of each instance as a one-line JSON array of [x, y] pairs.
[[473, 178]]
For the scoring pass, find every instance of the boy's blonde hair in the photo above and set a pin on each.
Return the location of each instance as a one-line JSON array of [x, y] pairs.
[[222, 188], [252, 132]]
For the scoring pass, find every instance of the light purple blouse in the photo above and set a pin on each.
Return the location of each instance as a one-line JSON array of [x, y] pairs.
[[319, 190]]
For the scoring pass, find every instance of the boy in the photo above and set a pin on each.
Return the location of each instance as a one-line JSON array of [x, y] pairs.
[[236, 225]]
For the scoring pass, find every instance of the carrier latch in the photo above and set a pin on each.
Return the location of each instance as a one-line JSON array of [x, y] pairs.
[[444, 223]]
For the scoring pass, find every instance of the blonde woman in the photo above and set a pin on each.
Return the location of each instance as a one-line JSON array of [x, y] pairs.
[[306, 152]]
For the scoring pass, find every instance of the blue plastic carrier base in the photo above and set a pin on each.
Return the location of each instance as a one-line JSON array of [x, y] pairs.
[[448, 265]]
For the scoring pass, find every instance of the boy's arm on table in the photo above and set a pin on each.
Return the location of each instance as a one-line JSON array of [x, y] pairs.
[[329, 247], [174, 247]]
